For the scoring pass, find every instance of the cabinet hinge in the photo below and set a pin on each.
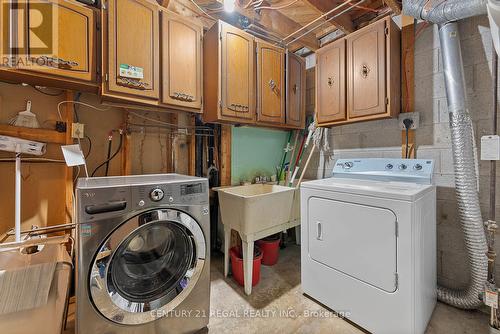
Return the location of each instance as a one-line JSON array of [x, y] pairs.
[[386, 30], [106, 77], [220, 104], [220, 35], [386, 101]]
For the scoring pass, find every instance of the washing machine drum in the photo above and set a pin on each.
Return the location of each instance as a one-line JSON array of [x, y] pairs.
[[147, 266]]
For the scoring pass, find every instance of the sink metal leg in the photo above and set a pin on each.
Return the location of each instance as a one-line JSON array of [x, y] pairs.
[[297, 235], [227, 242], [248, 265]]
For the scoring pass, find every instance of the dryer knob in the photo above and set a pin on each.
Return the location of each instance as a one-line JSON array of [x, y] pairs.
[[418, 167], [348, 165], [156, 195], [403, 166]]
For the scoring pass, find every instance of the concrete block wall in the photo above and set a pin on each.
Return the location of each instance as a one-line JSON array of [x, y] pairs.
[[383, 138]]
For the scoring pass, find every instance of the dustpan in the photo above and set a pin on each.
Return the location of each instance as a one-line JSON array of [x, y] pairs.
[[25, 118]]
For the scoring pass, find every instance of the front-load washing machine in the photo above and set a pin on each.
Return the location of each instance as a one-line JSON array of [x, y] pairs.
[[143, 255], [369, 243]]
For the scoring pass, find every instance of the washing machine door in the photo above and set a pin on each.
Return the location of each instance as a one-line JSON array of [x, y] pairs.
[[147, 266]]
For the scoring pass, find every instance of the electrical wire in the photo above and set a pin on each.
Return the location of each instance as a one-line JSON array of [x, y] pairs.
[[110, 144], [112, 157], [77, 102], [47, 160], [90, 146], [203, 11], [277, 7], [39, 89], [169, 124], [406, 147]]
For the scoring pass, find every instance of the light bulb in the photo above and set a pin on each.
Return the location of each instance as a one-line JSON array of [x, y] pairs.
[[229, 5]]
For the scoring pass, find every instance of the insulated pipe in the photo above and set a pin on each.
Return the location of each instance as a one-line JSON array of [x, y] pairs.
[[440, 12], [465, 174]]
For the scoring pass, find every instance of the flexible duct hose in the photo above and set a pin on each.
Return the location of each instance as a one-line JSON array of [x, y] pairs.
[[465, 174], [439, 11]]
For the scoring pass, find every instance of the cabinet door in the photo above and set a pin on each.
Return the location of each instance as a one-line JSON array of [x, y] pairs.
[[63, 42], [237, 74], [270, 84], [181, 61], [330, 83], [132, 42], [296, 90], [366, 71]]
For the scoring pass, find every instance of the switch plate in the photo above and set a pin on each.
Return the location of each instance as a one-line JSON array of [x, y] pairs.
[[490, 147], [415, 116], [77, 130]]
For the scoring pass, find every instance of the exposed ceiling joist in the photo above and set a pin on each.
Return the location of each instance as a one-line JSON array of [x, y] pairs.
[[394, 6], [342, 22]]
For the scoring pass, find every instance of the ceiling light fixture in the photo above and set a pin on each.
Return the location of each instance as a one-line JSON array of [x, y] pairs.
[[229, 5]]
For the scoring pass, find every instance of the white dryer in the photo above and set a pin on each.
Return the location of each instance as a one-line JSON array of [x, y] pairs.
[[369, 243]]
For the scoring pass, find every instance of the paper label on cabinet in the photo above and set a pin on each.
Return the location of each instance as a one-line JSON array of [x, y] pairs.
[[491, 298], [133, 72]]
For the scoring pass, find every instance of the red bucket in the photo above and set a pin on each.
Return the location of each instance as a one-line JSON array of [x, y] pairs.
[[237, 265], [270, 247]]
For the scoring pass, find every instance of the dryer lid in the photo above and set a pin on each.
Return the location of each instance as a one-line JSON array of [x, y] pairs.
[[392, 190]]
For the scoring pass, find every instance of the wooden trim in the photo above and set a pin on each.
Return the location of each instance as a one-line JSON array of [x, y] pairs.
[[225, 162], [68, 117], [192, 148]]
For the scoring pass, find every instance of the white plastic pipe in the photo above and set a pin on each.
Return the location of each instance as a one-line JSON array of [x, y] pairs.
[[17, 212]]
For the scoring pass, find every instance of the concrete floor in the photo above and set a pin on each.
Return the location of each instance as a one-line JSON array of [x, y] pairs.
[[278, 306]]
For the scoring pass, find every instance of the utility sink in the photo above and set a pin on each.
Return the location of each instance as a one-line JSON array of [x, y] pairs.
[[256, 211], [257, 207]]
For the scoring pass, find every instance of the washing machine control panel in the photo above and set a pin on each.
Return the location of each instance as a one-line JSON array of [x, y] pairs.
[[170, 194], [401, 170], [156, 194]]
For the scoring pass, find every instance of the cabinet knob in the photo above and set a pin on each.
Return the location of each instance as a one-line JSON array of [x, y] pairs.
[[365, 70], [330, 81], [294, 89], [272, 84]]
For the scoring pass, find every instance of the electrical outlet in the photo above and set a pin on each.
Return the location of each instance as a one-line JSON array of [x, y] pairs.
[[414, 116], [77, 130]]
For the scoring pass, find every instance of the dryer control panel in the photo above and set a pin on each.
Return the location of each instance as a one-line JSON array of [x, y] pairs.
[[400, 170]]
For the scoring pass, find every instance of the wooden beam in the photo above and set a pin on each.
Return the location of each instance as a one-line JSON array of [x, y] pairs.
[[126, 155], [192, 147], [408, 82], [225, 153], [68, 118], [342, 22], [281, 25], [394, 6], [42, 135]]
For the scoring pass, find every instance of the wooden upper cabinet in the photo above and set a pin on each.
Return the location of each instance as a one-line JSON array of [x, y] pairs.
[[181, 61], [365, 67], [131, 50], [270, 83], [296, 90], [331, 83], [54, 42], [71, 48], [366, 71], [237, 73], [229, 75]]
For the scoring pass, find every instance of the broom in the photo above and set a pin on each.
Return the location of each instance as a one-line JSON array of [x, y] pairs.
[[25, 118]]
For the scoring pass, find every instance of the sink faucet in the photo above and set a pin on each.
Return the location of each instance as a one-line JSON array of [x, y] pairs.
[[261, 179]]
